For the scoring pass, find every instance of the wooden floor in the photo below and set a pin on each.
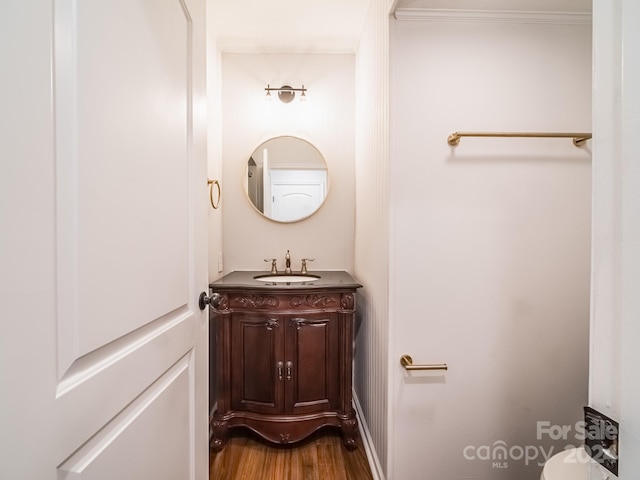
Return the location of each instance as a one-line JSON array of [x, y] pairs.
[[321, 457]]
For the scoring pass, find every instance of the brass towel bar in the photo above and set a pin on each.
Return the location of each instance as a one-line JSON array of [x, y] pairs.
[[579, 139], [407, 362]]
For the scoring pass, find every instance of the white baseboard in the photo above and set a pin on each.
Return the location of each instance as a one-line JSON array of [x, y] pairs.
[[367, 441]]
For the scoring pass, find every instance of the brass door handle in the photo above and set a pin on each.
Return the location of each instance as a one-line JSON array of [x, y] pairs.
[[407, 362]]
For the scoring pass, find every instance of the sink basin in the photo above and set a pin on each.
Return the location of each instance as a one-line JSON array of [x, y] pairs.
[[286, 278]]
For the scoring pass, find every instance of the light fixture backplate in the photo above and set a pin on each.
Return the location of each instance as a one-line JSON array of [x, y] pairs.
[[286, 94]]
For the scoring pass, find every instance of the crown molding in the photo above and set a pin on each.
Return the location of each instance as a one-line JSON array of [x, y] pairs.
[[253, 47], [492, 16]]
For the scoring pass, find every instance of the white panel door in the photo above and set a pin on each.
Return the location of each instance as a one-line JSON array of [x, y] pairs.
[[296, 194], [103, 178]]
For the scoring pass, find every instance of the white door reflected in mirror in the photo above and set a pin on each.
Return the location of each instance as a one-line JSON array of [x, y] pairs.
[[286, 179]]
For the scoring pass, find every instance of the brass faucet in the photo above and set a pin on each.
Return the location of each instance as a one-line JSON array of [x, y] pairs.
[[287, 264]]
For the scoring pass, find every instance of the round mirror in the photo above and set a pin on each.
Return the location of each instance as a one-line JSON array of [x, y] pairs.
[[286, 179]]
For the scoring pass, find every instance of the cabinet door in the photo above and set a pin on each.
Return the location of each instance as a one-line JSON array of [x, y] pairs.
[[312, 360], [257, 367]]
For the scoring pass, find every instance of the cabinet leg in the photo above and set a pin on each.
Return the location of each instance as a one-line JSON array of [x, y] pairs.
[[220, 434], [349, 432]]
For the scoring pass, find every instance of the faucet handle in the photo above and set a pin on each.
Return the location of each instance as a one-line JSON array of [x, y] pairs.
[[274, 268], [303, 269]]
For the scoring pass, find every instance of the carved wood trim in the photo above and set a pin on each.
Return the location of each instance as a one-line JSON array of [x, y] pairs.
[[315, 301], [258, 301], [348, 301], [224, 302]]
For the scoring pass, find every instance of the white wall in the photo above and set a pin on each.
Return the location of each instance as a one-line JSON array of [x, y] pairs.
[[615, 327], [371, 380], [326, 120], [214, 147], [490, 246]]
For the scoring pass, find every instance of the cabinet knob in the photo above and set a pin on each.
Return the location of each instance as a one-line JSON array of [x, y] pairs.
[[279, 368], [289, 369]]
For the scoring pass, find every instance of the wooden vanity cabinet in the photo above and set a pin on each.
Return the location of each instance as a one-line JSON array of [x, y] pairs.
[[283, 363]]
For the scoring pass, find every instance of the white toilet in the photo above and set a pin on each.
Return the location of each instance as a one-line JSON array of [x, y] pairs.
[[574, 464]]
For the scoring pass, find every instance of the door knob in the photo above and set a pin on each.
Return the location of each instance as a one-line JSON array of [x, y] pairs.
[[204, 300]]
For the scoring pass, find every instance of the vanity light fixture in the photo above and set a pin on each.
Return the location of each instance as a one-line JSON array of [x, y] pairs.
[[287, 93]]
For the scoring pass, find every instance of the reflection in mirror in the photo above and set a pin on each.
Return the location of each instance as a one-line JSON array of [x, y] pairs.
[[286, 179]]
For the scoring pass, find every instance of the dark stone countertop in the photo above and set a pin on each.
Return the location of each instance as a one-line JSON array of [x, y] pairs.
[[329, 279]]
